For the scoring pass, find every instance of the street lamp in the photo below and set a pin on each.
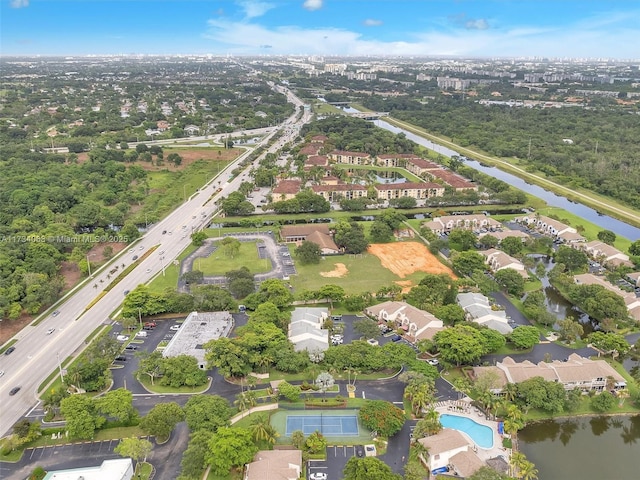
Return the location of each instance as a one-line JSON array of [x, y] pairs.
[[60, 367], [140, 316], [162, 263], [89, 264]]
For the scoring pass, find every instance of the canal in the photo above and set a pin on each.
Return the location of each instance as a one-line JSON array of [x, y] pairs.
[[584, 448], [603, 221]]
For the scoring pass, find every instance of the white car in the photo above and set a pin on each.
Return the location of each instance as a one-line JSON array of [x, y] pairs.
[[148, 270], [318, 476], [1, 373], [50, 331], [433, 361], [175, 328]]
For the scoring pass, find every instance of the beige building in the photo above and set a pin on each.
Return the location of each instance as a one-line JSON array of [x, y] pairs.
[[409, 189], [450, 448], [275, 465], [546, 225], [606, 254], [575, 372], [350, 158], [446, 223], [417, 323], [286, 190], [334, 193], [498, 260], [453, 180]]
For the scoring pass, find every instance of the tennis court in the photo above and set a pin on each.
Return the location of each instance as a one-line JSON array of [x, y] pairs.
[[328, 425]]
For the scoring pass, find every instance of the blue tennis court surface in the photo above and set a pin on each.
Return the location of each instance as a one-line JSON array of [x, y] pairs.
[[329, 425]]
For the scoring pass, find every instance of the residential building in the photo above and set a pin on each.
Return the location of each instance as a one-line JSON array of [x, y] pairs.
[[575, 372], [319, 139], [299, 233], [453, 180], [498, 260], [606, 254], [631, 301], [115, 469], [446, 223], [350, 158], [275, 465], [634, 277], [305, 329], [389, 191], [420, 166], [502, 234], [478, 309], [334, 193], [546, 225], [325, 242], [450, 448], [418, 324], [286, 190], [571, 238], [311, 149], [396, 159]]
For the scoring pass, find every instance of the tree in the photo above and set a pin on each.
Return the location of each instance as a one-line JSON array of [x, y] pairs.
[[182, 370], [380, 232], [460, 344], [420, 394], [350, 236], [81, 417], [603, 402], [324, 382], [634, 248], [489, 241], [135, 448], [382, 417], [161, 420], [117, 404], [193, 459], [207, 412], [572, 258], [193, 277], [262, 431], [267, 312], [230, 246], [151, 364], [229, 448], [316, 443], [272, 290], [610, 343], [367, 328], [288, 391], [570, 330], [367, 468], [236, 205], [297, 439], [525, 336], [511, 281], [333, 293], [607, 236], [512, 245], [198, 238], [308, 253], [461, 239], [451, 314], [466, 263]]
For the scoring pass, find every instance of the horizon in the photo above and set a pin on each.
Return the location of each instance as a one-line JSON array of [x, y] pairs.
[[488, 29]]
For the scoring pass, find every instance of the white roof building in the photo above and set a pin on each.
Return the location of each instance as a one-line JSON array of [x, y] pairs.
[[305, 329], [116, 469], [418, 324], [478, 309]]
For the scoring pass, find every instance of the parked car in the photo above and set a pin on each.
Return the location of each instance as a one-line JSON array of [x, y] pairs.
[[396, 338], [121, 358], [359, 450], [9, 350], [433, 361], [122, 338], [130, 347], [175, 328], [14, 390], [150, 324], [318, 476], [141, 334]]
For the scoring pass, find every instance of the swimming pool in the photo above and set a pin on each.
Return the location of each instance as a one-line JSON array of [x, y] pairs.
[[480, 434]]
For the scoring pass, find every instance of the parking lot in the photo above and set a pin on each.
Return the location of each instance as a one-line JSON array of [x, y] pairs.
[[337, 458]]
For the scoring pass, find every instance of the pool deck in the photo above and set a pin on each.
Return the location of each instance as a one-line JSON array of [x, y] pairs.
[[464, 409]]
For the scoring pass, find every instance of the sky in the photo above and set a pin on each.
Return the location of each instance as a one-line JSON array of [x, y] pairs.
[[476, 28]]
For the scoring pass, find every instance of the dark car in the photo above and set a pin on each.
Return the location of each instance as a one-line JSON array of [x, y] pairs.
[[131, 347], [9, 350], [121, 358], [360, 450], [14, 390], [164, 232], [135, 257], [396, 338]]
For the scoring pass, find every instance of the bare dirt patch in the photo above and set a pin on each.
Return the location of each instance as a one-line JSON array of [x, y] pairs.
[[338, 272], [405, 258], [406, 285], [8, 328]]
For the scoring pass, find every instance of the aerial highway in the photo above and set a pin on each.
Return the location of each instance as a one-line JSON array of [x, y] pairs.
[[39, 349]]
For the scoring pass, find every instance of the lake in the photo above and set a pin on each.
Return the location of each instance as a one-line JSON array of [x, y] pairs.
[[584, 448]]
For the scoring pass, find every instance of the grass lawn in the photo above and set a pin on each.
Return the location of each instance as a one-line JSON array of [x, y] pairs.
[[365, 274], [218, 263], [400, 171], [157, 388], [322, 108]]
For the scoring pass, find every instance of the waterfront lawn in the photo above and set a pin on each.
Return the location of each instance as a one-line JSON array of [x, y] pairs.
[[219, 264]]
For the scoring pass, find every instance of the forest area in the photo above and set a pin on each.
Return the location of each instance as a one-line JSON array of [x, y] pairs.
[[601, 152]]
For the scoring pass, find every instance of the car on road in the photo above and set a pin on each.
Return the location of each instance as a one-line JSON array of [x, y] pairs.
[[141, 247], [50, 331], [126, 292], [134, 258], [131, 250], [164, 232], [318, 476], [148, 270], [1, 373], [175, 328], [9, 350], [56, 313], [14, 390]]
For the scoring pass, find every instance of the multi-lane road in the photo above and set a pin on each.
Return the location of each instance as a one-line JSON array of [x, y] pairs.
[[37, 352]]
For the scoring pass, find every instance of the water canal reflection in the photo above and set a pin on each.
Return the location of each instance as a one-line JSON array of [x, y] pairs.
[[585, 448]]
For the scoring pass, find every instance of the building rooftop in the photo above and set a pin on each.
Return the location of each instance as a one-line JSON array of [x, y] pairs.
[[115, 469]]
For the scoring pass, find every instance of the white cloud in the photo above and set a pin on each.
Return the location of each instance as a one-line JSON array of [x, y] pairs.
[[312, 4], [253, 9], [477, 24], [19, 3], [372, 22], [602, 36]]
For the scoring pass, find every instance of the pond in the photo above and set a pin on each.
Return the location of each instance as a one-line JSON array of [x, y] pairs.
[[585, 448]]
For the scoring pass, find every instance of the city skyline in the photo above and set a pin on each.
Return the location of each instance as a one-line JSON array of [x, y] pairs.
[[492, 28]]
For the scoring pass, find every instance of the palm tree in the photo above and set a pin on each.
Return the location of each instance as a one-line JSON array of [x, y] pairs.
[[517, 462], [260, 428], [510, 391]]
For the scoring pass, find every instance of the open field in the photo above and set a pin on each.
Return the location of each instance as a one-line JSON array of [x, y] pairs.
[[366, 272], [321, 108], [218, 263]]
